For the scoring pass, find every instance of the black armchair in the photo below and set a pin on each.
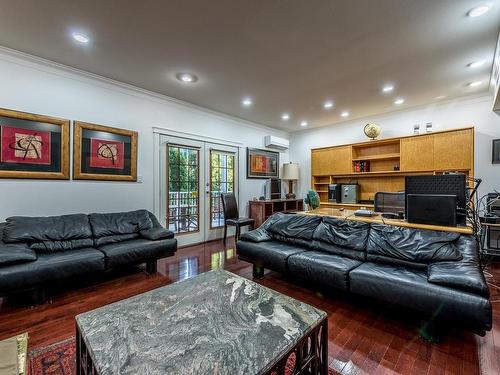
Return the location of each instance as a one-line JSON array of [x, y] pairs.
[[232, 216]]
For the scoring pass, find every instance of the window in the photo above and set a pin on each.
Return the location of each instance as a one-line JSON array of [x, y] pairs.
[[183, 189], [221, 181]]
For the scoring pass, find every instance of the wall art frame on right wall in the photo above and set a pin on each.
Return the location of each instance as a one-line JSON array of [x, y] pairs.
[[495, 151]]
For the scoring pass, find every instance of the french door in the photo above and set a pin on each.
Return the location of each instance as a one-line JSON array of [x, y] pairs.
[[194, 174]]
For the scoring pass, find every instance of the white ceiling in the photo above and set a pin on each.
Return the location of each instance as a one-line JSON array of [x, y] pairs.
[[289, 56]]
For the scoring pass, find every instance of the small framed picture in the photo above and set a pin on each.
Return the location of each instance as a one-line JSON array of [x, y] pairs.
[[33, 146], [104, 153], [262, 163], [496, 151]]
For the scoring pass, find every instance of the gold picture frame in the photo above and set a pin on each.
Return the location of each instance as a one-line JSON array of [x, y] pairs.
[[33, 146], [104, 153]]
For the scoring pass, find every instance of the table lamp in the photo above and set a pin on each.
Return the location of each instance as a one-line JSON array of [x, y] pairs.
[[290, 174]]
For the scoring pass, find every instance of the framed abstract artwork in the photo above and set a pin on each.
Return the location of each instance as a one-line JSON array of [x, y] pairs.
[[495, 158], [262, 163], [104, 153], [33, 146]]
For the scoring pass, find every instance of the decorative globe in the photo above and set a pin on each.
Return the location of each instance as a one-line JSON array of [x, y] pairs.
[[372, 130]]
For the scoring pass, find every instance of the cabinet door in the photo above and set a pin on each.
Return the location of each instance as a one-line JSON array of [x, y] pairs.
[[335, 160], [341, 160], [319, 162], [417, 153], [453, 150]]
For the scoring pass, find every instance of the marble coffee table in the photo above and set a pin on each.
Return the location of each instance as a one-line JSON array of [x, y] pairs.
[[214, 323]]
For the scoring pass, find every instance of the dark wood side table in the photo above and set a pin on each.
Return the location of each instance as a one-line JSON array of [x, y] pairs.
[[261, 210]]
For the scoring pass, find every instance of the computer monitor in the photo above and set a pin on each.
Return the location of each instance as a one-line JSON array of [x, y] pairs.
[[432, 209], [445, 184]]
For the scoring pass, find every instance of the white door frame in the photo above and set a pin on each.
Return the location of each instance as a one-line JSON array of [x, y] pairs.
[[160, 135]]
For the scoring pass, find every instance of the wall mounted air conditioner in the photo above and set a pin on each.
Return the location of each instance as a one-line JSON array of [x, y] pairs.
[[276, 142]]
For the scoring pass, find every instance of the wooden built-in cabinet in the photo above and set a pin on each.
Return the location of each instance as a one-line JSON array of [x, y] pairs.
[[332, 160], [390, 160]]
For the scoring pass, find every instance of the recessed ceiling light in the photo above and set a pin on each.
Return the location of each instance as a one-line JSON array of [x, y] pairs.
[[479, 11], [186, 77], [247, 102], [474, 84], [399, 101], [440, 97], [304, 123], [475, 64], [345, 114], [285, 116], [388, 88], [81, 38], [328, 104]]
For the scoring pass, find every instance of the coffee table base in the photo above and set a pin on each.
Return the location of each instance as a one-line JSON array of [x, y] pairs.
[[311, 355], [84, 364]]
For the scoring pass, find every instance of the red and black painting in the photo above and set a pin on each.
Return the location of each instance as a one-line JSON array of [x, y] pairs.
[[25, 146], [33, 146], [107, 154], [104, 153]]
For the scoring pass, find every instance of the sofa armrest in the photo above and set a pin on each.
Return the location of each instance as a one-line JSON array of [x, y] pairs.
[[156, 233], [464, 275], [15, 253], [257, 235]]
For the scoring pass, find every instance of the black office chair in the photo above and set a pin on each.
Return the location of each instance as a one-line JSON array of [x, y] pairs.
[[390, 202], [231, 215]]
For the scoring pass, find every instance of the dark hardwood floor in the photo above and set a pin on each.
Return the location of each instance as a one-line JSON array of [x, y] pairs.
[[364, 337]]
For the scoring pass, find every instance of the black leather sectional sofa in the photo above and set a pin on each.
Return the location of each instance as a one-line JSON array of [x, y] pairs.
[[36, 252], [434, 273]]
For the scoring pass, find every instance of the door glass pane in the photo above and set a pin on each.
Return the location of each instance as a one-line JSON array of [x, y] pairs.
[[183, 204], [221, 181]]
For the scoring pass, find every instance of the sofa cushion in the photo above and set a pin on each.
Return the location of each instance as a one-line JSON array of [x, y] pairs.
[[269, 254], [412, 245], [294, 226], [50, 228], [101, 241], [49, 268], [137, 251], [15, 253], [342, 233], [120, 223], [409, 288], [322, 268], [53, 246]]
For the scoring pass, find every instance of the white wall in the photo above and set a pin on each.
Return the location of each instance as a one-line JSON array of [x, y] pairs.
[[457, 113], [32, 85]]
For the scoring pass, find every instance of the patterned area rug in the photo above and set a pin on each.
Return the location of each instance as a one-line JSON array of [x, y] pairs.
[[59, 359], [56, 359]]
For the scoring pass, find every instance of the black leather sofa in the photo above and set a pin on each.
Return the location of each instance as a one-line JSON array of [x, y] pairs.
[[435, 273], [36, 252]]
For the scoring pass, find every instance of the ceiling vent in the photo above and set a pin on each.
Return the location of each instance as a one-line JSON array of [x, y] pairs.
[[276, 142]]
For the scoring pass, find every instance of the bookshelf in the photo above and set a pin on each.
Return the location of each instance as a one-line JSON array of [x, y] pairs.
[[387, 162]]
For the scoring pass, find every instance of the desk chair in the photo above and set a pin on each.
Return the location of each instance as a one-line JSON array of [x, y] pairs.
[[231, 215]]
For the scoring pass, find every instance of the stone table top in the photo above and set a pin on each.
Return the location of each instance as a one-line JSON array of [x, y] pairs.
[[214, 323]]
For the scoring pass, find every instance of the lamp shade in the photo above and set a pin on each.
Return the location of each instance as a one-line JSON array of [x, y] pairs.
[[290, 171]]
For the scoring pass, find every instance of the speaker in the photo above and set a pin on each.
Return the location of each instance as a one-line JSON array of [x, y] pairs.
[[334, 193]]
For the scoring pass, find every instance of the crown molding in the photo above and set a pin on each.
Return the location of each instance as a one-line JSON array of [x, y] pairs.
[[52, 67]]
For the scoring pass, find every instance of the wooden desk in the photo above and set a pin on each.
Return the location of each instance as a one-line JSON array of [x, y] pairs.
[[349, 215], [261, 210]]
